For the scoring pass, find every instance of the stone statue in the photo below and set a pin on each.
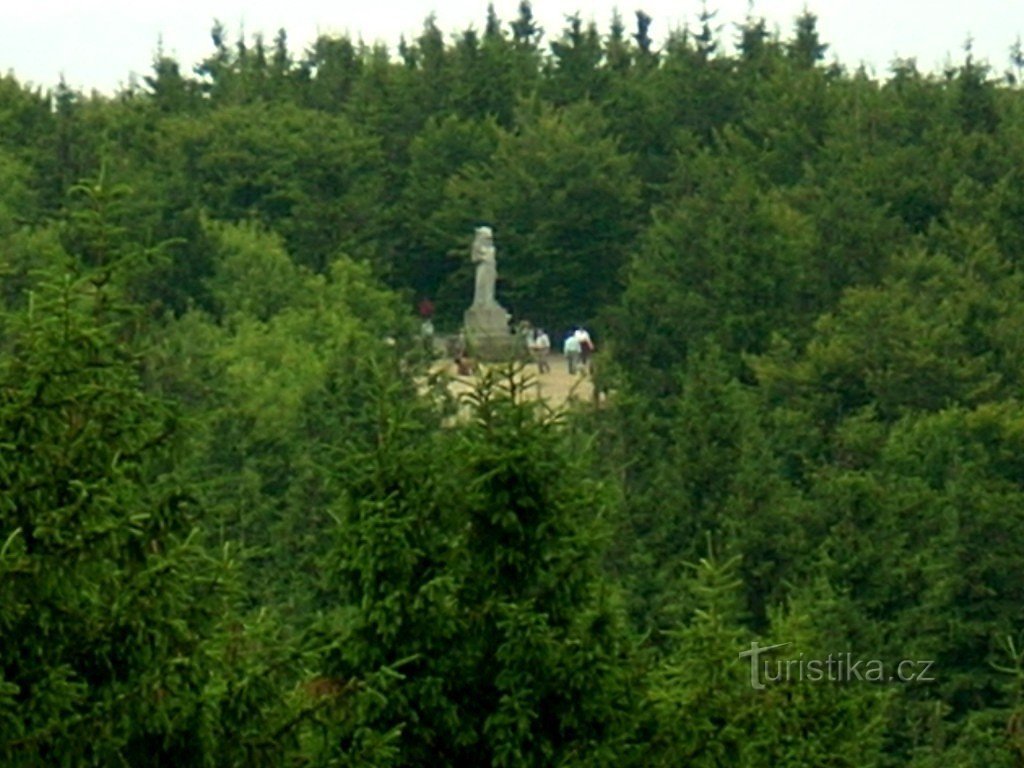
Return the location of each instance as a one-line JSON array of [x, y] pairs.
[[485, 258], [486, 321]]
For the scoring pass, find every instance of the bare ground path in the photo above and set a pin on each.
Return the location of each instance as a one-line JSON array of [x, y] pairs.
[[557, 386]]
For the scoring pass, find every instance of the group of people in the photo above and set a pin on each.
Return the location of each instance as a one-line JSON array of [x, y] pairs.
[[578, 349]]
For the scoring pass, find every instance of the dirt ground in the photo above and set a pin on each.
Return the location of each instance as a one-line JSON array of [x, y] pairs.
[[557, 386]]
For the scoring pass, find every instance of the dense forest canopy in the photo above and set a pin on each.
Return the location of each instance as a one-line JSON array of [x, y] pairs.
[[241, 525]]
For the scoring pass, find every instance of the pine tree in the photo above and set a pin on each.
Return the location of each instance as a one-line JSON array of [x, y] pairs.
[[109, 600], [465, 562]]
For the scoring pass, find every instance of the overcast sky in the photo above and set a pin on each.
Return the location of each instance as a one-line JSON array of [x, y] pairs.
[[98, 44]]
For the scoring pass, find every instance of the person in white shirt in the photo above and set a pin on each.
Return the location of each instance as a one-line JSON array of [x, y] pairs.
[[571, 350], [586, 347], [540, 347]]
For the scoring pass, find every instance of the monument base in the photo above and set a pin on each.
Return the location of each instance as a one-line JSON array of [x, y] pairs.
[[488, 335]]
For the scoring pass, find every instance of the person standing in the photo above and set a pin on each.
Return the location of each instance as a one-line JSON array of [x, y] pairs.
[[427, 335], [571, 350], [426, 308], [586, 347], [540, 348]]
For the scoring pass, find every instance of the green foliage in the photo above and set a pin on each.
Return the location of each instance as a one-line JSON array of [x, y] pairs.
[[241, 523], [471, 560], [276, 385], [16, 203], [431, 251], [576, 74], [555, 270], [27, 252], [718, 705], [255, 277], [725, 264], [310, 176], [911, 343], [104, 632]]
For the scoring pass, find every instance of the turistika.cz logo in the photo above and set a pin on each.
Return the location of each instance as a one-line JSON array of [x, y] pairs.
[[835, 668]]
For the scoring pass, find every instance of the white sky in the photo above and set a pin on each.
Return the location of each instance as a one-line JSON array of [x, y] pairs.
[[98, 44]]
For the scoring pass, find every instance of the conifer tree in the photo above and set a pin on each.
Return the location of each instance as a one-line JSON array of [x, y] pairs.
[[109, 599], [467, 564]]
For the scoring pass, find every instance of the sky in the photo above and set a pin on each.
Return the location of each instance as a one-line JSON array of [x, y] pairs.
[[101, 44]]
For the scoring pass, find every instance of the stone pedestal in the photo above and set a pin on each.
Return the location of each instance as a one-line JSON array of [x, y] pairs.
[[488, 334]]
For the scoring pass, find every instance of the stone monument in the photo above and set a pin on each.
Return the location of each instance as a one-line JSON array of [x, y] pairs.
[[486, 321]]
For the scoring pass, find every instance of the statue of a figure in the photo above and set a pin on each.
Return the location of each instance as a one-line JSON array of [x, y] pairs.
[[486, 321], [486, 266]]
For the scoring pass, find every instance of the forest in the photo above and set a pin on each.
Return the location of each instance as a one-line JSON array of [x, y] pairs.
[[241, 526]]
